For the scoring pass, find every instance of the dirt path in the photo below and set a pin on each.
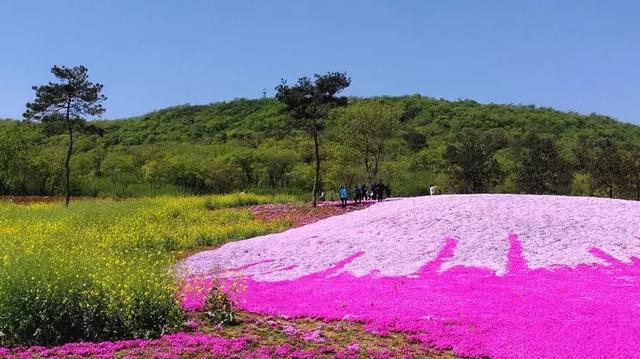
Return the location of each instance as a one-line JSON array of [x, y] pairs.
[[303, 214]]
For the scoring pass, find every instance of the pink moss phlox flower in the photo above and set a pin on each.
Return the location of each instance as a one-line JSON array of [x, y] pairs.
[[193, 293], [290, 330], [314, 336], [191, 324], [381, 354], [168, 346], [283, 350], [468, 308]]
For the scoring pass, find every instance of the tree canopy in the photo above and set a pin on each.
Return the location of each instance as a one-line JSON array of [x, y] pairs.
[[366, 128]]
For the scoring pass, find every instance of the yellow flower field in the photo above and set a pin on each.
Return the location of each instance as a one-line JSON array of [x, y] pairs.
[[102, 269]]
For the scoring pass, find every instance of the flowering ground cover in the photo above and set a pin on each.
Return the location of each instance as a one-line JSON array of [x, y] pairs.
[[103, 269], [255, 336], [505, 276]]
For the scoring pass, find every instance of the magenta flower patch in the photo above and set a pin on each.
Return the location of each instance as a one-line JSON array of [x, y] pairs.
[[500, 275], [168, 346]]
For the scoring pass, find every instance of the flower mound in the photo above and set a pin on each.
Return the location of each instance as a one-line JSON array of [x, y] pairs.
[[500, 275]]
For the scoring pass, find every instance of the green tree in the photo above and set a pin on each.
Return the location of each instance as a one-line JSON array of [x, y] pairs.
[[13, 158], [273, 164], [540, 169], [367, 127], [61, 107], [630, 183], [633, 173], [243, 158], [472, 165], [415, 140], [605, 163], [308, 102], [221, 176]]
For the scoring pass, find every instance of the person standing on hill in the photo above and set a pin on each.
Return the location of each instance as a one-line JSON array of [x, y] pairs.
[[378, 191], [381, 191], [344, 195], [433, 190], [357, 195], [363, 192]]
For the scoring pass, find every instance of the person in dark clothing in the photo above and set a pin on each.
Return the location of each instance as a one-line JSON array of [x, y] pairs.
[[363, 192], [344, 195], [377, 191], [357, 195]]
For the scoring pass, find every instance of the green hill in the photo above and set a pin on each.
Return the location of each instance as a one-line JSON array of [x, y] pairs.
[[250, 145]]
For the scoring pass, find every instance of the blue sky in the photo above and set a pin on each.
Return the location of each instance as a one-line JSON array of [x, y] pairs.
[[580, 55]]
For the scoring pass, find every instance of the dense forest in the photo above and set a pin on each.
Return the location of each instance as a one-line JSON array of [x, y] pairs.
[[415, 141]]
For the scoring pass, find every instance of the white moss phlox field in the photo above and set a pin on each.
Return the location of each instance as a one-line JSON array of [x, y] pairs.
[[399, 236]]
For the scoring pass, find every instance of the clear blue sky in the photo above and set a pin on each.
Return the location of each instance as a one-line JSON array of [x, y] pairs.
[[581, 55]]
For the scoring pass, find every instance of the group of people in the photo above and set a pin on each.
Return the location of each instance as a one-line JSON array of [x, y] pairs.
[[378, 192]]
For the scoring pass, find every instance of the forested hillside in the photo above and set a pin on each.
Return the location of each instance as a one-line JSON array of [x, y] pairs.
[[462, 146]]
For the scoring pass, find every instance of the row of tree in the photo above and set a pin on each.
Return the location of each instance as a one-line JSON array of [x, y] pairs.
[[604, 165]]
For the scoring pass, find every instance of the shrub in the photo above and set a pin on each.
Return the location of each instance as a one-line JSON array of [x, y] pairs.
[[219, 308], [243, 200]]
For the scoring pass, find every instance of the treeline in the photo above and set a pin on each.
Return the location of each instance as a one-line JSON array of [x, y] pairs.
[[409, 142]]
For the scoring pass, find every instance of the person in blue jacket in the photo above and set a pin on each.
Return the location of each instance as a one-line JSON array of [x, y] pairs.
[[344, 195]]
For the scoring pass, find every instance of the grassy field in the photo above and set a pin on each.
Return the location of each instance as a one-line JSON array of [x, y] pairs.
[[102, 268]]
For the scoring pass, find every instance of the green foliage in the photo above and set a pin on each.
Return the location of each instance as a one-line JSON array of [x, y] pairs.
[[472, 163], [367, 127], [251, 145], [242, 200], [101, 270], [219, 308], [606, 164], [541, 169]]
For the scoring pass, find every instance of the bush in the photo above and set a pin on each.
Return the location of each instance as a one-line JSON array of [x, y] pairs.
[[219, 308]]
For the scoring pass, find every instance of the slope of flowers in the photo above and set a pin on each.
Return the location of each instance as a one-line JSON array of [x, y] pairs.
[[501, 275]]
